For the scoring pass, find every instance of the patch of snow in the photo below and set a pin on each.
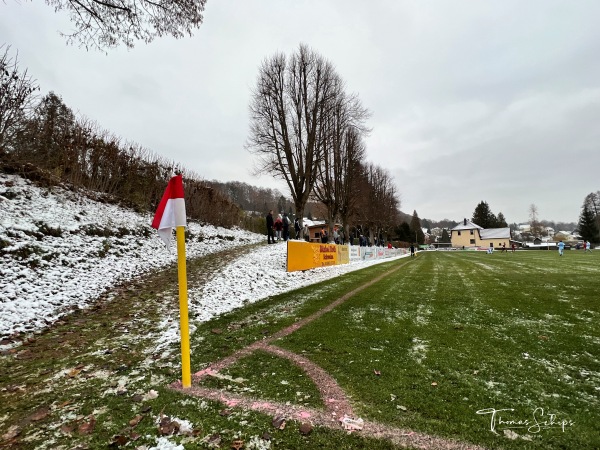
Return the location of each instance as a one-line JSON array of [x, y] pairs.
[[163, 443]]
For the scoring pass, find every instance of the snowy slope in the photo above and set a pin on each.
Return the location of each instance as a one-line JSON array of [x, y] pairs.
[[60, 250]]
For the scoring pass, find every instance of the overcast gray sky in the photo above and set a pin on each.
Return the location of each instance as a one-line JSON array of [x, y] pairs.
[[470, 100]]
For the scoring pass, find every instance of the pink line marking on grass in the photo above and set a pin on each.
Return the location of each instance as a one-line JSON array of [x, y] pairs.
[[334, 398]]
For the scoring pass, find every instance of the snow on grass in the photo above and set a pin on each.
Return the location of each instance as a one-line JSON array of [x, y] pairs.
[[60, 250], [419, 349], [252, 277]]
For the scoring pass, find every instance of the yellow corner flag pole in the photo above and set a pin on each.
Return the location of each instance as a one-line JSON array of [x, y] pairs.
[[186, 377]]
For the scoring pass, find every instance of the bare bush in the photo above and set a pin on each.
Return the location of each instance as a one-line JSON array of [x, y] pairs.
[[16, 97]]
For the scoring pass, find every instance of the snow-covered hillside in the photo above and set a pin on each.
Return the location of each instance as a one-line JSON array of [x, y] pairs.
[[60, 250]]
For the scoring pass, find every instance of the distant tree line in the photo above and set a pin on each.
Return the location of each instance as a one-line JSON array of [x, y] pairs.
[[41, 138], [253, 199]]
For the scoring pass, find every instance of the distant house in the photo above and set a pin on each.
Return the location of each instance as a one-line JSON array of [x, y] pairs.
[[314, 228], [524, 227], [468, 234]]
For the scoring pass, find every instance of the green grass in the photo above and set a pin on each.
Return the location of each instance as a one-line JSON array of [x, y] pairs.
[[497, 331], [263, 375], [244, 326], [493, 331]]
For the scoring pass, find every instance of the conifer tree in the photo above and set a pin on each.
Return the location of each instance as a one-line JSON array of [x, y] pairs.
[[416, 230], [587, 224]]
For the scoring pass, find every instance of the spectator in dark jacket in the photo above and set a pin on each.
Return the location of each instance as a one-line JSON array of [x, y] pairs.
[[270, 235], [286, 227]]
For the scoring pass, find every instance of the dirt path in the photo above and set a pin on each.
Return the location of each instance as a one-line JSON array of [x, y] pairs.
[[112, 338]]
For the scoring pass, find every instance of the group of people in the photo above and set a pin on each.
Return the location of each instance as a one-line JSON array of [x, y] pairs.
[[587, 247], [278, 229], [503, 249], [338, 235]]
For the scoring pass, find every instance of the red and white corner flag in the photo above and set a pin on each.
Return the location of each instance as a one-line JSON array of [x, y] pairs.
[[169, 214], [171, 210]]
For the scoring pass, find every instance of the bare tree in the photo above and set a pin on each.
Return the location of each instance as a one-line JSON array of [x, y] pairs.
[[343, 149], [105, 24], [16, 97], [347, 190], [288, 111], [534, 222], [377, 209]]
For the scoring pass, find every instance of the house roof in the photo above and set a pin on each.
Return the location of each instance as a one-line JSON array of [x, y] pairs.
[[313, 223], [466, 225], [495, 233]]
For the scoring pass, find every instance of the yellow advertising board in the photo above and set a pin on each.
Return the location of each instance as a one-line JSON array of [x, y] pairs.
[[305, 255], [343, 254]]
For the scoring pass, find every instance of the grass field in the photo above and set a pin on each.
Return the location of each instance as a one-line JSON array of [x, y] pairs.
[[451, 334], [454, 333]]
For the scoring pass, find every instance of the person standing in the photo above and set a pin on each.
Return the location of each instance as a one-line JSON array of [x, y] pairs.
[[324, 236], [270, 235], [306, 233], [278, 227], [286, 227], [588, 246], [297, 227], [412, 250], [561, 248]]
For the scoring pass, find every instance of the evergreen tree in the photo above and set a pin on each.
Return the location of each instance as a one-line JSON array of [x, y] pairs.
[[281, 204], [445, 237], [501, 222], [587, 224], [416, 231], [52, 127], [403, 232], [483, 216], [592, 200]]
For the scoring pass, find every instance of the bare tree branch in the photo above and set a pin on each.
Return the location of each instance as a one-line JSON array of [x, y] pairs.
[[104, 24]]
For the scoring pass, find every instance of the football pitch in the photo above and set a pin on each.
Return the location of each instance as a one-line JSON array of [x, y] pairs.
[[446, 350], [500, 350]]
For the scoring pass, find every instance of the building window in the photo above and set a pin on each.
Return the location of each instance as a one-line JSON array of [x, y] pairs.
[[459, 233], [472, 242], [472, 232], [492, 244]]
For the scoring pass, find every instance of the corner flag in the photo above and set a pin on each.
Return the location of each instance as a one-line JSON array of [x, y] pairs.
[[171, 213], [171, 210]]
